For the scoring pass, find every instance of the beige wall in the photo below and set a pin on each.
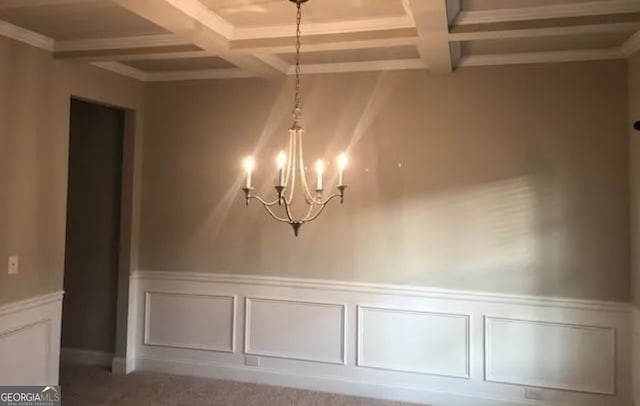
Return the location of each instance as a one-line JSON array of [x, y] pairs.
[[505, 179], [634, 115], [32, 172], [35, 94]]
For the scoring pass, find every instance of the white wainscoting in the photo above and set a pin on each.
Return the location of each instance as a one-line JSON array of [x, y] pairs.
[[413, 341], [190, 321], [30, 341], [295, 330], [511, 343], [415, 344]]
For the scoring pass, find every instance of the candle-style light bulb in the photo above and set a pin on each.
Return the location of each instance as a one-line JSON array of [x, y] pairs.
[[281, 161], [248, 164], [319, 172], [343, 160]]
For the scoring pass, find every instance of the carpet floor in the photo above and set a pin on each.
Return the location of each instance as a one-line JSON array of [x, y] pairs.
[[95, 386]]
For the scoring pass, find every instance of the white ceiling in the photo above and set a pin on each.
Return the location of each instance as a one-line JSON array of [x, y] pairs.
[[190, 39]]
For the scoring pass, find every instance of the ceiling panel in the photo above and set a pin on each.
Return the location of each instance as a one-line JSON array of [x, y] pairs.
[[477, 5], [544, 44], [552, 22], [355, 55], [277, 12], [168, 65], [79, 20]]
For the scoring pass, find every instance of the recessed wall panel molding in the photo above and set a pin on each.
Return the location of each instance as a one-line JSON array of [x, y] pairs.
[[405, 343], [551, 355], [30, 341], [413, 341], [190, 321], [296, 329]]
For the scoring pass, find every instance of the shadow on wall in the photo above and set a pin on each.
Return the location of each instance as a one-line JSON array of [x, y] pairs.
[[455, 182]]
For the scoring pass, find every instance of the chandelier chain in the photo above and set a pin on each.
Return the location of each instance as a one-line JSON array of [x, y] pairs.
[[296, 110]]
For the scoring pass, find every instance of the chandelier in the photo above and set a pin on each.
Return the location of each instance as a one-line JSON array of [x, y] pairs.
[[291, 167]]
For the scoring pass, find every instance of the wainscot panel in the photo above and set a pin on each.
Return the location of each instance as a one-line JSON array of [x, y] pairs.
[[433, 346]]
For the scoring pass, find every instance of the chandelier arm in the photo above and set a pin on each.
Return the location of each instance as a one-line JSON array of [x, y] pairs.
[[311, 207], [287, 175], [264, 202], [292, 143], [330, 198], [287, 210], [309, 198], [268, 209], [321, 208], [275, 217]]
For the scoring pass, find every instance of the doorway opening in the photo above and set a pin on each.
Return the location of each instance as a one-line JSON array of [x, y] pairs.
[[92, 245]]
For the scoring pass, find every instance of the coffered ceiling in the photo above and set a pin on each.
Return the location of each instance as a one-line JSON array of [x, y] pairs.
[[158, 40]]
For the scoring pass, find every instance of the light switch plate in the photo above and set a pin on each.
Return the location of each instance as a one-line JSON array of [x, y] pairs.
[[13, 265]]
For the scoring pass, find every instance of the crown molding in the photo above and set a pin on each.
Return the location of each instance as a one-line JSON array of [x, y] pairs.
[[544, 12], [25, 36], [541, 57], [198, 75], [122, 69], [631, 46], [344, 27]]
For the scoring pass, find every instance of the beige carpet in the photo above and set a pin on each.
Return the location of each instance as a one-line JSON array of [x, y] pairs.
[[94, 386]]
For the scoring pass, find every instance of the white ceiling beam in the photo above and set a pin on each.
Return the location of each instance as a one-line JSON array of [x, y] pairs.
[[543, 32], [383, 65], [593, 8], [94, 56], [143, 41], [25, 36], [311, 28], [631, 46], [198, 75], [338, 45], [194, 22], [432, 20]]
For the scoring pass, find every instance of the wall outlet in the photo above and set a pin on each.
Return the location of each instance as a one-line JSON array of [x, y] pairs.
[[252, 361], [13, 265], [534, 393]]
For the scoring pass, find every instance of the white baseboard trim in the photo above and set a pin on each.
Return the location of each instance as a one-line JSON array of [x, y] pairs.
[[122, 366], [321, 383], [377, 340], [80, 356], [30, 340]]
